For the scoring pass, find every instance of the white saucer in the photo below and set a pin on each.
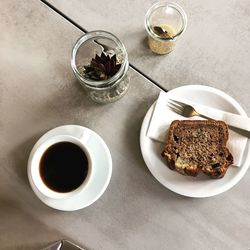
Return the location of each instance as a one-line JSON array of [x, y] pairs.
[[102, 163], [200, 186]]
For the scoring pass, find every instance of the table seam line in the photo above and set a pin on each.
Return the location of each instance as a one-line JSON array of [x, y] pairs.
[[49, 5]]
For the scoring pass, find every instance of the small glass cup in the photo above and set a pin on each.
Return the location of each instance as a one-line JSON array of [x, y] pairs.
[[87, 47], [164, 23]]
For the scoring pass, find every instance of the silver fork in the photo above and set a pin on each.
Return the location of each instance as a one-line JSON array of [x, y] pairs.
[[187, 110], [184, 109]]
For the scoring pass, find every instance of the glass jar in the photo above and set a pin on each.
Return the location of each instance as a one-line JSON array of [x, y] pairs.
[[86, 48], [164, 23]]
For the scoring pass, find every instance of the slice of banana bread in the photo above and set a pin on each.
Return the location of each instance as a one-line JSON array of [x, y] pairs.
[[198, 145]]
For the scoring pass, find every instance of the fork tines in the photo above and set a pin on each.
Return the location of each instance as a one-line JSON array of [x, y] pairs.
[[175, 106]]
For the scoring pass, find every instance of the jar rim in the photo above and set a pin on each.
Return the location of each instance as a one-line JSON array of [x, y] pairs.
[[161, 4], [98, 34]]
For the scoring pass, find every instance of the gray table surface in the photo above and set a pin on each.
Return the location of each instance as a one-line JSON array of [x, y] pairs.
[[38, 92], [213, 51]]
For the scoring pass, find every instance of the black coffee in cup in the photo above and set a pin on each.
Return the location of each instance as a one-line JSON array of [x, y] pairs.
[[63, 167]]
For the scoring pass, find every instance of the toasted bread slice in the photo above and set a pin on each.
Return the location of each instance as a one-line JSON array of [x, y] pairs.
[[198, 145]]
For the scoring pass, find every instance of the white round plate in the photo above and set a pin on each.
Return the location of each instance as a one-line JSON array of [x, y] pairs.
[[200, 186], [102, 163]]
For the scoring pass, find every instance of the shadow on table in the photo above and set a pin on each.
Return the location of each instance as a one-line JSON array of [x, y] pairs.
[[145, 43], [20, 155], [25, 247], [21, 230]]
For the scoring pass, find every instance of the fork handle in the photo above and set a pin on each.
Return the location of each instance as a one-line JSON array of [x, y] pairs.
[[237, 123]]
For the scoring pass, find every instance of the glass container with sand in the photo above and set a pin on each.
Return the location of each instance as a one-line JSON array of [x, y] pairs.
[[164, 23]]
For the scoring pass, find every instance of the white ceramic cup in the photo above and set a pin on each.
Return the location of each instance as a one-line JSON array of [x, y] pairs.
[[34, 162]]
